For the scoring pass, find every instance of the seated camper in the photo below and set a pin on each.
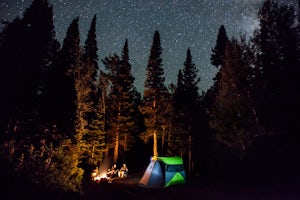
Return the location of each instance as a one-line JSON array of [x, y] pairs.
[[123, 171], [112, 172]]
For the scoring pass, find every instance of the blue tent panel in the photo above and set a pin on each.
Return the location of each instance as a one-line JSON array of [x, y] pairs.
[[156, 178]]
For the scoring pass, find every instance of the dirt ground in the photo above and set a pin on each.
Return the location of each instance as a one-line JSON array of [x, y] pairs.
[[129, 188]]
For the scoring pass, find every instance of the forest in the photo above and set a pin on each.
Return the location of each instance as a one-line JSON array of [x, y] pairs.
[[61, 114]]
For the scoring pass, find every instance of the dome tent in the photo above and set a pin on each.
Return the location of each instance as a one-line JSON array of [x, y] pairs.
[[164, 172]]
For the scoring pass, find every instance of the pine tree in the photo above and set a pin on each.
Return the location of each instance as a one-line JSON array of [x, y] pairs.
[[129, 109], [102, 96], [55, 164], [186, 101], [155, 94], [120, 101], [113, 104], [178, 95], [217, 55], [177, 142], [217, 58], [231, 116], [190, 84], [92, 140], [60, 92], [277, 61], [90, 57], [26, 52], [191, 103]]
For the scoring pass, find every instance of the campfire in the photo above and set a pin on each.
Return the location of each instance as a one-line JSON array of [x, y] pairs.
[[99, 175], [104, 174]]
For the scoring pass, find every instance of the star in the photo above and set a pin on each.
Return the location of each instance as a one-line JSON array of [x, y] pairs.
[[181, 24]]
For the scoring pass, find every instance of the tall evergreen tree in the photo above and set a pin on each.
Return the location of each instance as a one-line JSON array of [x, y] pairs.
[[217, 55], [178, 95], [231, 116], [190, 84], [217, 58], [128, 93], [39, 37], [120, 106], [191, 106], [26, 51], [42, 154], [277, 63], [102, 96], [186, 102], [60, 92], [90, 57], [155, 94], [177, 143], [93, 132]]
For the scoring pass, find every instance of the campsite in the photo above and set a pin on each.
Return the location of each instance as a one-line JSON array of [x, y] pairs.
[[166, 178], [281, 184], [150, 99]]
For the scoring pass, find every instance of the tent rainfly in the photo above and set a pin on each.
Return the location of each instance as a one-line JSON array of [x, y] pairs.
[[164, 172]]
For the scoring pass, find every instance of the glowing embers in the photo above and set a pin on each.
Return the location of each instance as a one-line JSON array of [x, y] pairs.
[[99, 176]]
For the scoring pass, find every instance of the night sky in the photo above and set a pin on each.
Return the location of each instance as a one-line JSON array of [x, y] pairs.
[[181, 24]]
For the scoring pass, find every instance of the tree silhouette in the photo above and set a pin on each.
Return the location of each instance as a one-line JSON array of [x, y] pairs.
[[26, 52], [60, 92], [217, 55], [92, 139], [155, 94], [232, 116], [120, 101], [277, 61], [90, 57]]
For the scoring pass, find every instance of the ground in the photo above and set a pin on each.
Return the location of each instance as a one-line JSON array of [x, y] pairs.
[[202, 188], [195, 189]]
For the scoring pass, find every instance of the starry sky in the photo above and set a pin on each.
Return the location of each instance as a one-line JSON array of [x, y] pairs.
[[182, 24]]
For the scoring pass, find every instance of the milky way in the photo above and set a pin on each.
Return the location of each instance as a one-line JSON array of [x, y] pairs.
[[181, 24]]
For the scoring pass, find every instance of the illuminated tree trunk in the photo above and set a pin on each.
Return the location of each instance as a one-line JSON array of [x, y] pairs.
[[125, 143], [93, 149], [116, 149], [155, 153], [163, 140], [103, 89]]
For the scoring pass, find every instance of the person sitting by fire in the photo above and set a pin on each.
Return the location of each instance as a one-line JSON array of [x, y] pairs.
[[112, 172], [123, 171]]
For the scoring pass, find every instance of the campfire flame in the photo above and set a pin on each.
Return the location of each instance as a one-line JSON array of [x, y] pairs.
[[100, 176], [101, 171]]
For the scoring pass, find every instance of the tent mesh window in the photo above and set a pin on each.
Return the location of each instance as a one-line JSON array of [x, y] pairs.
[[175, 168]]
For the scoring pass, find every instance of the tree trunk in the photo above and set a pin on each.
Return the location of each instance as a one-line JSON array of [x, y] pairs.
[[163, 141], [116, 149], [155, 153], [190, 153]]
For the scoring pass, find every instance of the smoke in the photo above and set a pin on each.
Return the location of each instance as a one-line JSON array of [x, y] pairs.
[[104, 166]]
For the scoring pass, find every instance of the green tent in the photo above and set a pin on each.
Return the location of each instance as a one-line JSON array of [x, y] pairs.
[[164, 172]]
